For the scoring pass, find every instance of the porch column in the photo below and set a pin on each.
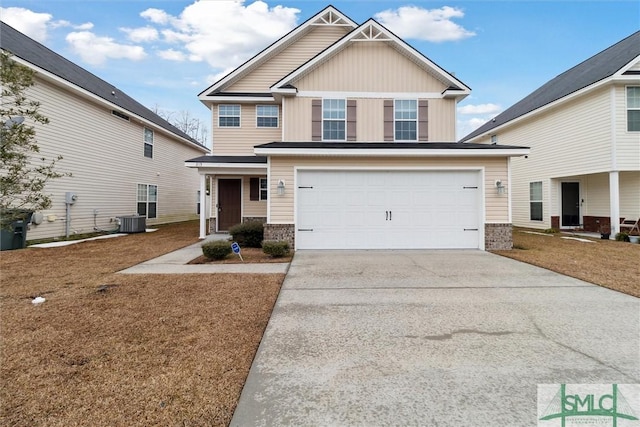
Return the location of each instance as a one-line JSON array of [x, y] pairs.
[[614, 202], [203, 206]]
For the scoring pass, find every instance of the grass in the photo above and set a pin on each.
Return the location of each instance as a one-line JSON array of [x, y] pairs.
[[109, 349], [606, 263]]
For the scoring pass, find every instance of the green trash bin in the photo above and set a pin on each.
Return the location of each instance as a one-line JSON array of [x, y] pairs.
[[13, 232]]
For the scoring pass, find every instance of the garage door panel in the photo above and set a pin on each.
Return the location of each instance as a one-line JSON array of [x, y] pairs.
[[388, 209]]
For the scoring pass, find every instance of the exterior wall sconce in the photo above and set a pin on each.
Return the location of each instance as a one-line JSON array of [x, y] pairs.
[[280, 187], [500, 186]]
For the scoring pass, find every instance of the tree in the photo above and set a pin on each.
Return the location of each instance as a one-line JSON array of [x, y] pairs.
[[183, 120], [24, 172]]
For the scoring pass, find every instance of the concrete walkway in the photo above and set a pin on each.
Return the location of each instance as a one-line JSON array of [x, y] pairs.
[[432, 338], [176, 263]]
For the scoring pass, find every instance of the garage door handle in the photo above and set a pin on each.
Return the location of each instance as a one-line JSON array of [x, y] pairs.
[[386, 215], [305, 229], [470, 229], [390, 213]]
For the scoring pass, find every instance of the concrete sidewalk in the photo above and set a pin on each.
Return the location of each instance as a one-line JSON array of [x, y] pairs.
[[176, 262], [432, 338]]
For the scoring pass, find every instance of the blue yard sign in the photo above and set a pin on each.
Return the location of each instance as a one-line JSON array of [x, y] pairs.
[[235, 247]]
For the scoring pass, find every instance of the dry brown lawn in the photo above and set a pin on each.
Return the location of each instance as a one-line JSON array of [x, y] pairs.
[[125, 350], [249, 255], [614, 265]]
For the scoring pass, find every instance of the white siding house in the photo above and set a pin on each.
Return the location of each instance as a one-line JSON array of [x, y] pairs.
[[583, 128], [124, 159]]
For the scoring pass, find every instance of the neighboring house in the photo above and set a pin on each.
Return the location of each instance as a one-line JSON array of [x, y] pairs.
[[125, 160], [342, 136], [583, 128]]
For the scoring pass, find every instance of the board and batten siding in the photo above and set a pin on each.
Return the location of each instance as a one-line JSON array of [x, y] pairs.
[[282, 207], [239, 141], [294, 55], [369, 67], [369, 119], [105, 154]]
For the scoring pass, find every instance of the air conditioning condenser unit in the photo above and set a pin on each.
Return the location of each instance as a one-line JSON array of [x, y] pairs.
[[133, 224]]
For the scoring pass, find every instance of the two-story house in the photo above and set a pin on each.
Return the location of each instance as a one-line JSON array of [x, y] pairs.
[[583, 128], [342, 136], [124, 159]]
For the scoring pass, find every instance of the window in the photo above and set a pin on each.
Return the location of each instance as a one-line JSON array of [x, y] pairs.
[[406, 120], [334, 118], [148, 143], [494, 139], [148, 200], [267, 116], [535, 201], [229, 116], [633, 108], [263, 189]]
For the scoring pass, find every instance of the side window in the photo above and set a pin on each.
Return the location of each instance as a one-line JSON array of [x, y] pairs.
[[263, 189], [229, 116], [147, 199], [406, 119], [334, 119], [148, 143], [633, 108], [535, 201], [267, 116]]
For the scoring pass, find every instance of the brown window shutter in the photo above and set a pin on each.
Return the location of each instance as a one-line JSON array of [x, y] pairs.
[[351, 120], [423, 120], [388, 120], [316, 120], [254, 189]]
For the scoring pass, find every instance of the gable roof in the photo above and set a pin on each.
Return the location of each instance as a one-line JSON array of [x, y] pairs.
[[329, 15], [599, 67], [372, 30], [34, 53]]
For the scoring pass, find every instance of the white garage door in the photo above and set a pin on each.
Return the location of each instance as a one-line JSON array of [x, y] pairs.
[[388, 209]]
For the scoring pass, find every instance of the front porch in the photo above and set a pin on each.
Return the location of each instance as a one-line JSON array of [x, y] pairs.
[[588, 202]]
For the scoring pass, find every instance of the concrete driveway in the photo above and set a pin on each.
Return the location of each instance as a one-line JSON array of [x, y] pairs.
[[432, 338]]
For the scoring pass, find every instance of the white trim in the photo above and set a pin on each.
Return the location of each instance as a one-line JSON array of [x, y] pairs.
[[627, 109], [282, 119], [481, 187], [541, 220], [612, 106], [269, 186], [203, 206], [285, 40], [580, 198], [260, 199], [46, 75], [369, 95], [334, 120], [614, 202], [416, 120], [145, 143], [226, 165], [509, 193], [147, 201], [342, 43], [554, 104], [390, 152], [240, 99]]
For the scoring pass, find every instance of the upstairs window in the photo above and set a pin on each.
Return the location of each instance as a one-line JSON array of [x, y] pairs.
[[148, 143], [535, 201], [334, 119], [267, 116], [147, 200], [633, 108], [229, 116], [406, 119]]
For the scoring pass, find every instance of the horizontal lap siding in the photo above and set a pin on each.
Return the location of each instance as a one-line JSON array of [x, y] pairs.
[[252, 208], [282, 207], [105, 155], [289, 59], [627, 143], [369, 67], [596, 194], [630, 194], [240, 141]]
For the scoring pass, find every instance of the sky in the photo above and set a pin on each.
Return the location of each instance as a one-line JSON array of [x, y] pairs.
[[164, 53]]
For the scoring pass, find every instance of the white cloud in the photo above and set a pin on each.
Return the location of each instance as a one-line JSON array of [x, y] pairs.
[[480, 109], [84, 27], [224, 33], [465, 127], [33, 24], [96, 50], [142, 34], [434, 25], [172, 55]]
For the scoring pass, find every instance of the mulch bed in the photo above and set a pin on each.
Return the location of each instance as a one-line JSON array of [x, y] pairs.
[[108, 349], [606, 263], [249, 255]]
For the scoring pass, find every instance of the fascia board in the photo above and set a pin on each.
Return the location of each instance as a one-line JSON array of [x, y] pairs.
[[321, 152]]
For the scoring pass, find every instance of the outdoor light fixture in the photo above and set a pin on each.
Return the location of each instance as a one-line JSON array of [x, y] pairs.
[[280, 187], [500, 186]]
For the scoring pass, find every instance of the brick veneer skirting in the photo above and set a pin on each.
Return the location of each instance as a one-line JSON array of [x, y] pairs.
[[286, 232], [498, 237], [212, 225]]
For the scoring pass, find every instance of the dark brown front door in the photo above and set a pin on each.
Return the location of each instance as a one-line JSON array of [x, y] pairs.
[[229, 210]]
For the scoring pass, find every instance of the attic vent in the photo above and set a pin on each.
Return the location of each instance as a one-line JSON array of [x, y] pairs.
[[133, 224], [119, 114]]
